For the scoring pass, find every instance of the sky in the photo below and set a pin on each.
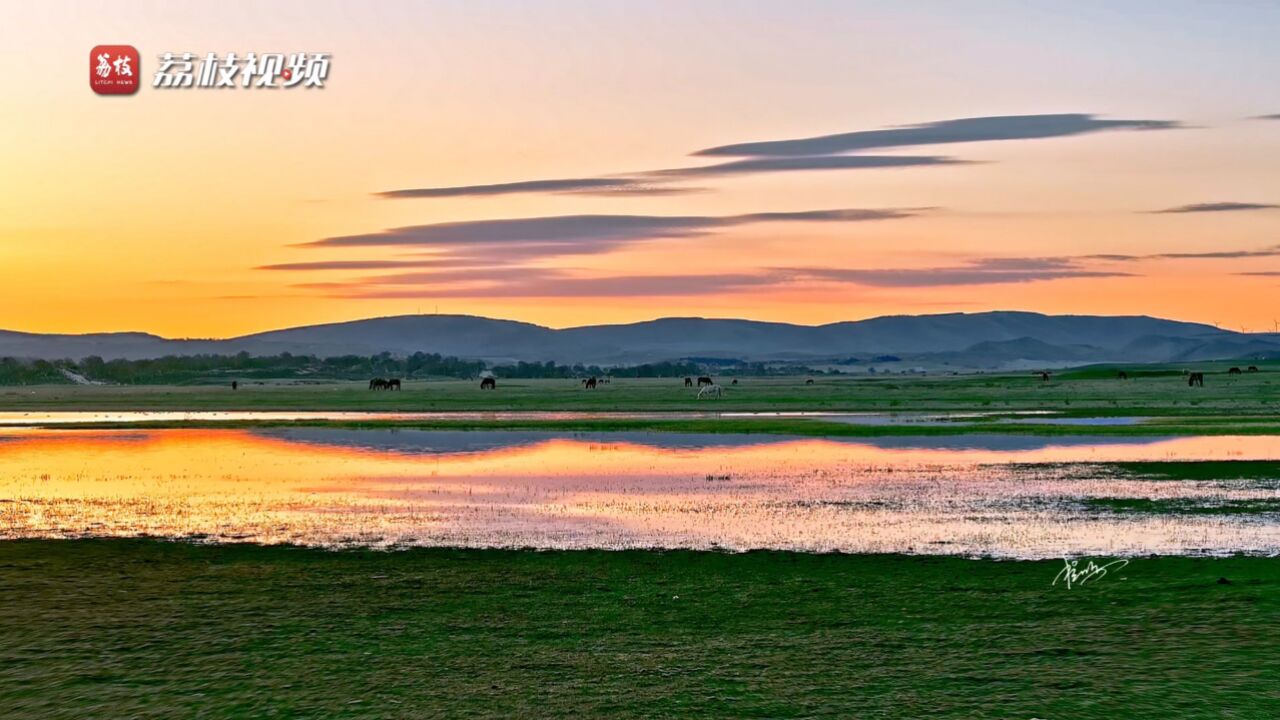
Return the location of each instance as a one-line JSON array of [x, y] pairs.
[[573, 163]]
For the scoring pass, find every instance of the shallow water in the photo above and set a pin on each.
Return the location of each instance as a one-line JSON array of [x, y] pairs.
[[332, 487]]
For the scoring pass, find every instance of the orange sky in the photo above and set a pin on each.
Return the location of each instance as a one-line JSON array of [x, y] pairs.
[[156, 211]]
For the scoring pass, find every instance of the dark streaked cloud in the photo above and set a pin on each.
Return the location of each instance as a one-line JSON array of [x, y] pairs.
[[620, 185], [655, 182], [1261, 273], [1273, 116], [1211, 207], [979, 129], [541, 282], [516, 282], [986, 271], [366, 264], [573, 231], [821, 162], [826, 152], [1273, 251]]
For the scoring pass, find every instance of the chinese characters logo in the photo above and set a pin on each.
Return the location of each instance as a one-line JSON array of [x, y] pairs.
[[113, 69], [268, 70]]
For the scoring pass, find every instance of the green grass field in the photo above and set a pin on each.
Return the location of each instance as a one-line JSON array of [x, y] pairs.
[[1079, 392], [144, 629]]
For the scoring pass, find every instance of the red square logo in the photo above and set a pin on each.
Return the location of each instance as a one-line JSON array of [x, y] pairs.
[[114, 69]]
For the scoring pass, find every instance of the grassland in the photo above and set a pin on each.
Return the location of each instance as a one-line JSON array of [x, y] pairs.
[[1227, 405], [1076, 392], [145, 629]]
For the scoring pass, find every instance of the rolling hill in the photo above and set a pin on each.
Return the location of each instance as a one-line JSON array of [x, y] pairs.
[[980, 340]]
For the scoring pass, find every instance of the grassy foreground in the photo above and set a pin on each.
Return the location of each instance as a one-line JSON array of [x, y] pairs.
[[148, 629], [1075, 392]]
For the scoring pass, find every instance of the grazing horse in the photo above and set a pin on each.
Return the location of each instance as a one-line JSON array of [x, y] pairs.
[[704, 380], [1194, 379], [1252, 368], [712, 390], [1123, 375], [377, 384], [1044, 377], [393, 384], [735, 381], [688, 382], [589, 383], [488, 384], [1233, 371], [235, 385], [808, 381]]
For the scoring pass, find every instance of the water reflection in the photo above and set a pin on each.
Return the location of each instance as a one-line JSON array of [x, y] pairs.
[[379, 487]]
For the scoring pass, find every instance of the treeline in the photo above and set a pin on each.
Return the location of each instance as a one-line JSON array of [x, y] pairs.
[[193, 369], [33, 372]]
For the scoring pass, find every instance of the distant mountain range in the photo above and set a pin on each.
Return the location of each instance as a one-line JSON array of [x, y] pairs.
[[991, 340]]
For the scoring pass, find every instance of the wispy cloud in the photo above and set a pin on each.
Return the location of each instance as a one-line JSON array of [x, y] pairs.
[[365, 264], [566, 233], [821, 162], [596, 185], [825, 152], [964, 130], [984, 271], [658, 182], [513, 282], [1213, 207], [553, 283]]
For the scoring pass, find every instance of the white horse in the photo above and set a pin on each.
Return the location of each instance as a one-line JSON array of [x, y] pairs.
[[711, 390]]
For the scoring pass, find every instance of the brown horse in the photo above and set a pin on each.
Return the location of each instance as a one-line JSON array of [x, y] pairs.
[[735, 381], [235, 385], [393, 384], [589, 383], [1123, 375], [377, 384], [1234, 371], [488, 384], [1252, 368], [808, 381], [1044, 377], [704, 380], [1194, 379], [688, 382]]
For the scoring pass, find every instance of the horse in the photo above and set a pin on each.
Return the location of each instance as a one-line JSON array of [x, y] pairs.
[[704, 380], [1194, 379], [393, 384], [688, 382], [735, 381], [1233, 371], [1123, 375], [808, 381], [377, 384], [488, 384], [711, 390], [235, 385], [1252, 368], [1044, 377], [589, 383]]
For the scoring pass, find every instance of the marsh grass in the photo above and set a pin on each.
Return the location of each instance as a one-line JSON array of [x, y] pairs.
[[144, 629]]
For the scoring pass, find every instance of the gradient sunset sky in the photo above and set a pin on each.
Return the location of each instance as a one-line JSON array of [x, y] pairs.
[[572, 163]]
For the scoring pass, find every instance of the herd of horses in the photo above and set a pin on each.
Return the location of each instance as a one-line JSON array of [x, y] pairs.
[[1194, 379], [707, 387]]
